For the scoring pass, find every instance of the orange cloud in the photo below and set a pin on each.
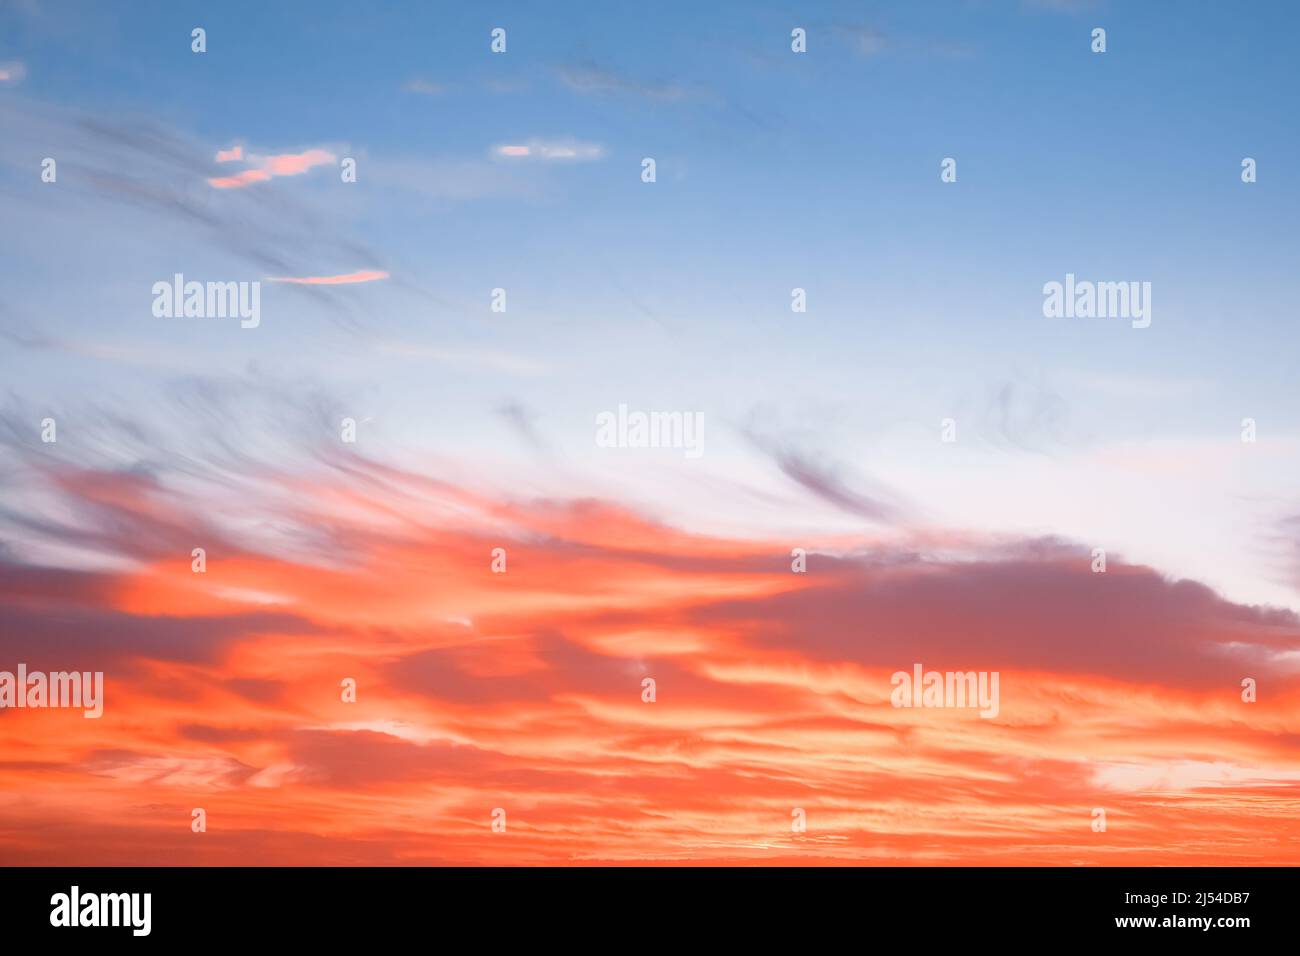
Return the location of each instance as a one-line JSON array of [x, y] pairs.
[[523, 690]]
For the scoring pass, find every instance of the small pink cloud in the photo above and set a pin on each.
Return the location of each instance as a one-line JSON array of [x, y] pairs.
[[291, 164], [246, 178], [12, 72], [268, 167], [367, 275], [230, 155]]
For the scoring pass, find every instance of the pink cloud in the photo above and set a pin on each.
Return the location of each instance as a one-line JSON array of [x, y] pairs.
[[246, 178], [268, 167], [291, 164], [366, 275]]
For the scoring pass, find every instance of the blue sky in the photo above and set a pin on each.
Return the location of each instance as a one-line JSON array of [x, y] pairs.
[[775, 170]]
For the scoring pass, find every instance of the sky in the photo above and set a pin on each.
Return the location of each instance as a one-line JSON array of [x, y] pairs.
[[948, 458]]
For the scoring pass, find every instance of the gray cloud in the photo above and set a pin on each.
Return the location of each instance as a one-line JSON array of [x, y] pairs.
[[868, 499]]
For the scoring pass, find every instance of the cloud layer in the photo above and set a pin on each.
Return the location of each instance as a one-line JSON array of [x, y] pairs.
[[522, 690]]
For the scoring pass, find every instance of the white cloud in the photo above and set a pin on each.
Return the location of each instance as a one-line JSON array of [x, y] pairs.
[[551, 150]]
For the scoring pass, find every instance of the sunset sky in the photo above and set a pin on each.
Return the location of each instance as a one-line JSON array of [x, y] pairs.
[[329, 559]]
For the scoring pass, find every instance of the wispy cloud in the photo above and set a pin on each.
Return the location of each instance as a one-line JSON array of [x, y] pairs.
[[868, 500], [149, 356], [239, 180], [594, 80], [424, 87], [365, 275], [12, 72], [1026, 414], [146, 172], [551, 150]]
